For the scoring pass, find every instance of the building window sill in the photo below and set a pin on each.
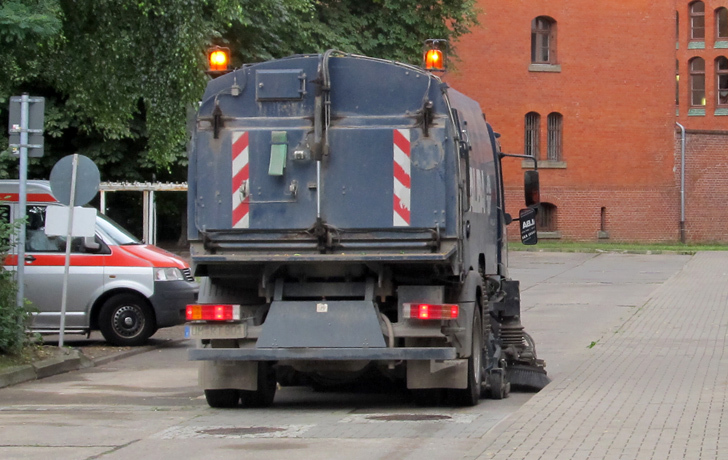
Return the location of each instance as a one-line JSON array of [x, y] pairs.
[[721, 112], [721, 44], [549, 235], [696, 45], [544, 68], [544, 164], [696, 112], [602, 235]]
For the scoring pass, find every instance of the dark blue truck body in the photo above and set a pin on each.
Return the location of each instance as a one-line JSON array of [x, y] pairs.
[[329, 192]]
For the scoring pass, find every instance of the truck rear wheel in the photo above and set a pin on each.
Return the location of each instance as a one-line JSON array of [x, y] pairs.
[[471, 395], [222, 399], [263, 396]]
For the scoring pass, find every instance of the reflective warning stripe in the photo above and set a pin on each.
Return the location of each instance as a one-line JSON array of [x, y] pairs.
[[241, 176], [401, 214]]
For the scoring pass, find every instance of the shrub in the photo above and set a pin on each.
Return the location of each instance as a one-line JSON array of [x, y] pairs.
[[13, 318]]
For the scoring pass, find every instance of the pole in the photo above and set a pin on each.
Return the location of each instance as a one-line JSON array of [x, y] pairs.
[[71, 203], [22, 198], [682, 183]]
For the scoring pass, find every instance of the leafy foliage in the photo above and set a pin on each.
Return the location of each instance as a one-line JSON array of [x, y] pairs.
[[13, 318], [121, 76]]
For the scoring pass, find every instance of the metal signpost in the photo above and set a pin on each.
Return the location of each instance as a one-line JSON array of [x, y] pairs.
[[26, 139], [83, 186]]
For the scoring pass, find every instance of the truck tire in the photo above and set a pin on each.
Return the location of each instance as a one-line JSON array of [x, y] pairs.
[[498, 386], [222, 399], [126, 320], [263, 396], [470, 396]]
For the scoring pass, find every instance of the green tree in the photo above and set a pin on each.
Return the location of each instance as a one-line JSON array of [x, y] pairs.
[[120, 76]]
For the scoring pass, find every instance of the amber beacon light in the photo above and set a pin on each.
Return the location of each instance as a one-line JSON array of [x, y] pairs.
[[435, 55], [218, 60]]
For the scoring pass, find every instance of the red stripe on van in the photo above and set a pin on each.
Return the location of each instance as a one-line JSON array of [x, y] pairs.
[[30, 197]]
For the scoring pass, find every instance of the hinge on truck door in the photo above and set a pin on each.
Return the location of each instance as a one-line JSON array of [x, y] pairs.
[[425, 117], [217, 123]]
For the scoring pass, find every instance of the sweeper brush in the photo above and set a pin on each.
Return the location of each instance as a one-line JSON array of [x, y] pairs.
[[527, 378]]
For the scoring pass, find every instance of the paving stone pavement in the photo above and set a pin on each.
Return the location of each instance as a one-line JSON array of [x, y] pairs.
[[655, 389]]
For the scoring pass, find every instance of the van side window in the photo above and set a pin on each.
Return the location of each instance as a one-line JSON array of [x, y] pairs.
[[35, 238]]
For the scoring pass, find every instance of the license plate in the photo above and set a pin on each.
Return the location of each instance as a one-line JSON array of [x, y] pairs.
[[216, 331]]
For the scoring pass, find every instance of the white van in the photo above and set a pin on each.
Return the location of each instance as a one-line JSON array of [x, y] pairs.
[[117, 284]]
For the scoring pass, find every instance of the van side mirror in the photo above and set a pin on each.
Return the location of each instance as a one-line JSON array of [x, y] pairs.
[[531, 188], [90, 244], [527, 221]]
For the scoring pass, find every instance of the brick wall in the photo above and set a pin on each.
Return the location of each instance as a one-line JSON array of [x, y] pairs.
[[615, 88], [631, 215], [706, 185]]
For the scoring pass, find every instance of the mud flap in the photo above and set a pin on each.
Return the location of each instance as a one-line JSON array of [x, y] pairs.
[[239, 375], [434, 374]]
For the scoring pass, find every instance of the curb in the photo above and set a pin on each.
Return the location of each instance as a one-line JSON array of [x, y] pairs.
[[72, 359]]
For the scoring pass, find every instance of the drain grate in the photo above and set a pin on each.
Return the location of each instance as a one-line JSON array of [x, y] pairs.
[[234, 432], [240, 431], [409, 418]]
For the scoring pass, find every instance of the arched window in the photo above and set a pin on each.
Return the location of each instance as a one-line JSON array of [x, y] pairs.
[[721, 23], [721, 80], [533, 126], [543, 40], [546, 218], [697, 82], [554, 124], [697, 21]]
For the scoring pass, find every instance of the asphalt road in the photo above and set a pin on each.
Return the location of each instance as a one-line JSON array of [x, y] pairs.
[[149, 406]]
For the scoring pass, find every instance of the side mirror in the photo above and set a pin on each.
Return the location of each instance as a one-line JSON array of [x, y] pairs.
[[90, 244], [532, 188], [527, 221]]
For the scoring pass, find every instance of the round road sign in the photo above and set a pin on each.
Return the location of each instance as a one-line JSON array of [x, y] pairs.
[[87, 180]]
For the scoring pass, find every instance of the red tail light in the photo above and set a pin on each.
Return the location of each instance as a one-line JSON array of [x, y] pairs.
[[431, 311], [213, 312]]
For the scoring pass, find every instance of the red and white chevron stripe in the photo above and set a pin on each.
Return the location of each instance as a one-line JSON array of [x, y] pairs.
[[402, 183], [241, 177]]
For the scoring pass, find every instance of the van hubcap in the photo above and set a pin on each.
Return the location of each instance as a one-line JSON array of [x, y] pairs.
[[128, 321]]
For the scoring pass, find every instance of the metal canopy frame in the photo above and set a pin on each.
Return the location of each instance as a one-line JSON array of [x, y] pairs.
[[150, 207]]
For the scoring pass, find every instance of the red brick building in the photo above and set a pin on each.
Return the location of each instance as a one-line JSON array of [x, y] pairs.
[[590, 89]]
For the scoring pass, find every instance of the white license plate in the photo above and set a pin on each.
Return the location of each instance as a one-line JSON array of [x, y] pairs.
[[216, 331]]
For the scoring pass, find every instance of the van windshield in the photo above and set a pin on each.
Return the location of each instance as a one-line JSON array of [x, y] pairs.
[[113, 232]]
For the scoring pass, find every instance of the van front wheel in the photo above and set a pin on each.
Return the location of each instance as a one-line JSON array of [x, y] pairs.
[[126, 320]]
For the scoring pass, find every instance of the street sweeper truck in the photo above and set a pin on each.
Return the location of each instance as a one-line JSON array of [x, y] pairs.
[[347, 216]]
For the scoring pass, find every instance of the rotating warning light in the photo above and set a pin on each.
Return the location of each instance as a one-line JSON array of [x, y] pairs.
[[435, 55], [433, 60], [218, 60]]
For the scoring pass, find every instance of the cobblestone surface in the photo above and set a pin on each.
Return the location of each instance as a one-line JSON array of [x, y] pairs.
[[655, 389]]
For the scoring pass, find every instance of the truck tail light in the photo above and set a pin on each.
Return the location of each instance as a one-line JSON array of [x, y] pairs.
[[213, 312], [431, 311]]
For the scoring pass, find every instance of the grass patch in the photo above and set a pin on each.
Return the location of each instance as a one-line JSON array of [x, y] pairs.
[[29, 354], [627, 248]]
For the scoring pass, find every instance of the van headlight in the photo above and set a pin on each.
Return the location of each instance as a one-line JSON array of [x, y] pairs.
[[168, 274]]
